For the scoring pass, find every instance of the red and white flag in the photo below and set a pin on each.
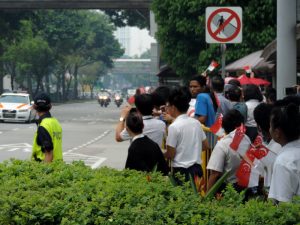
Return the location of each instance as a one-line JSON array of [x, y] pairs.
[[247, 69], [213, 65], [240, 142], [216, 128], [251, 166], [247, 175]]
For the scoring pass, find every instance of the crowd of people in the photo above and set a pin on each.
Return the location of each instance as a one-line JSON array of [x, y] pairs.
[[166, 130]]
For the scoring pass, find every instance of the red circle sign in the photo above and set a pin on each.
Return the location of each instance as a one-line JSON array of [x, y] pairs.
[[214, 34]]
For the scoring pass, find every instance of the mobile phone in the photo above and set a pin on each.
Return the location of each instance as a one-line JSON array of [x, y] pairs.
[[290, 91]]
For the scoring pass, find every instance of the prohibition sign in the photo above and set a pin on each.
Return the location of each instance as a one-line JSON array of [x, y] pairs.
[[233, 16]]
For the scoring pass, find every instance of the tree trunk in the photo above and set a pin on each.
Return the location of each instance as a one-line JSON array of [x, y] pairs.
[[39, 81], [63, 86], [42, 87], [1, 72], [92, 89], [1, 80], [47, 83], [29, 84], [12, 78], [76, 81], [58, 83], [68, 87]]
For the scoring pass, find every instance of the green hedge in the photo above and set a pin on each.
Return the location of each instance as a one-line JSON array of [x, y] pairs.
[[38, 193]]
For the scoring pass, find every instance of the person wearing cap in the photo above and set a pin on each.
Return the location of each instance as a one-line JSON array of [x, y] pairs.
[[47, 142]]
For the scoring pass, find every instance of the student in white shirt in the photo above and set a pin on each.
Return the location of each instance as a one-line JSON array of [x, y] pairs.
[[262, 115], [285, 129], [223, 158], [252, 97], [185, 139]]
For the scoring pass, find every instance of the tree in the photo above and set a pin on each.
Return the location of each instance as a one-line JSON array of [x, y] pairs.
[[77, 38], [146, 54], [131, 17], [99, 44], [90, 74], [64, 31], [181, 32], [10, 63], [35, 59], [10, 23]]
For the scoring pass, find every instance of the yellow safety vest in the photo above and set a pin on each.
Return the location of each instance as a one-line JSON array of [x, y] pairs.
[[54, 129]]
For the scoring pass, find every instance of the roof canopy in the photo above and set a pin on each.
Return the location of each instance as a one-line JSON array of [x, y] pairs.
[[255, 61]]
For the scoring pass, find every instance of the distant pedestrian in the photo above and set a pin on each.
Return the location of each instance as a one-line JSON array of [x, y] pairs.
[[47, 142]]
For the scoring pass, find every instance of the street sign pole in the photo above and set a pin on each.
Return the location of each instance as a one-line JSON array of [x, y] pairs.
[[223, 25]]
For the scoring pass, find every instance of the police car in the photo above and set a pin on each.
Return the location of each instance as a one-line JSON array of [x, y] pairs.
[[16, 107]]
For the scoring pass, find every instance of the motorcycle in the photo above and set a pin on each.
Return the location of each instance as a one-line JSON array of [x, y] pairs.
[[103, 100], [118, 100]]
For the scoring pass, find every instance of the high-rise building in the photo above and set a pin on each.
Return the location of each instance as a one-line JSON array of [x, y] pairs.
[[123, 36]]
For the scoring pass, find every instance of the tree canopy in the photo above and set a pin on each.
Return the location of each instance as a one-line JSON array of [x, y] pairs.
[[181, 32], [53, 43]]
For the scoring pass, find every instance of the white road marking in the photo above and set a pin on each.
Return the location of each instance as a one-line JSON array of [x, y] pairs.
[[92, 161], [12, 150], [26, 150], [25, 147], [17, 145], [98, 163], [90, 142], [1, 132], [16, 129]]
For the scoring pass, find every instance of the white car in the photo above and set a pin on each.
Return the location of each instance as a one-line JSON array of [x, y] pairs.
[[16, 107]]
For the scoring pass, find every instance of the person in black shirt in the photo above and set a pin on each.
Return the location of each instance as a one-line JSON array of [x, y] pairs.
[[143, 153]]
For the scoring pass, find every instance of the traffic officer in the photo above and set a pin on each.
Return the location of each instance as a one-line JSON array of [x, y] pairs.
[[47, 142]]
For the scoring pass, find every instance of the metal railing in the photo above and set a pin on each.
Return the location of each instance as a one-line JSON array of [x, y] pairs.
[[212, 140]]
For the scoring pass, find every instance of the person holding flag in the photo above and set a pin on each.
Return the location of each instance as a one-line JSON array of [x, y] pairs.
[[262, 114], [213, 65], [248, 70], [223, 158]]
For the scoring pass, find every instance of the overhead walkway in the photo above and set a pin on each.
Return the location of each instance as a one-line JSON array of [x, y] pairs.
[[75, 4]]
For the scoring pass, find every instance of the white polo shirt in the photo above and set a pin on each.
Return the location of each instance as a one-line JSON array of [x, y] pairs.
[[155, 129], [285, 181], [185, 134], [224, 159], [251, 105], [268, 161]]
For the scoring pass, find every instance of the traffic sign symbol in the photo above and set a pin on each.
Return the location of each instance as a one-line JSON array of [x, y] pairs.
[[223, 24]]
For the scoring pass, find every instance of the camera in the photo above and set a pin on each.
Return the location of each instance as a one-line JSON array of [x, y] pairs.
[[163, 108]]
